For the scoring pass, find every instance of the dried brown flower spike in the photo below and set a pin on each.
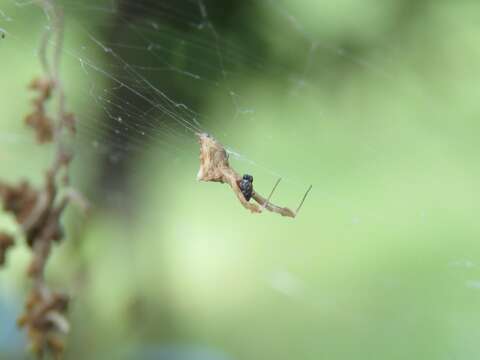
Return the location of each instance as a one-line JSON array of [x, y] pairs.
[[38, 210], [214, 166]]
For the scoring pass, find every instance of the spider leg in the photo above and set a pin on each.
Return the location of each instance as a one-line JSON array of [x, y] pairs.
[[303, 199], [271, 193]]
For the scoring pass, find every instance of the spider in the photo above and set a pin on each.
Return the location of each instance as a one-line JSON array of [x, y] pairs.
[[214, 166]]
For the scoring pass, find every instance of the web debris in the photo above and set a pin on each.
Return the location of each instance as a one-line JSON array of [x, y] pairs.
[[214, 166]]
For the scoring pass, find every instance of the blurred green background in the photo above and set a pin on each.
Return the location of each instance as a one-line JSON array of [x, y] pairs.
[[375, 103]]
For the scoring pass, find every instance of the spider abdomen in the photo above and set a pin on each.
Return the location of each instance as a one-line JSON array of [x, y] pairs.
[[246, 186]]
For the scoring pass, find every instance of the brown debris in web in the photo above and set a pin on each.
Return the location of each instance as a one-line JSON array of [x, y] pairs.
[[214, 166]]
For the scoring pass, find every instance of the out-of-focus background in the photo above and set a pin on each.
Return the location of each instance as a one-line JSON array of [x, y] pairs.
[[375, 103]]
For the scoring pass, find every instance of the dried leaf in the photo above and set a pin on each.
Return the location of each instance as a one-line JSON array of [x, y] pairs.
[[19, 199], [38, 120], [42, 125], [6, 242]]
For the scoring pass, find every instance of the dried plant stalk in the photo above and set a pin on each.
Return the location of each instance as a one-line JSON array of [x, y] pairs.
[[38, 211]]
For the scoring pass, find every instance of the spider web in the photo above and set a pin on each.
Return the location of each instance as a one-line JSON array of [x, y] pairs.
[[142, 77], [132, 65]]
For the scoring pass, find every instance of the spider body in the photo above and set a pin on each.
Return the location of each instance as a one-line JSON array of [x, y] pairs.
[[246, 186]]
